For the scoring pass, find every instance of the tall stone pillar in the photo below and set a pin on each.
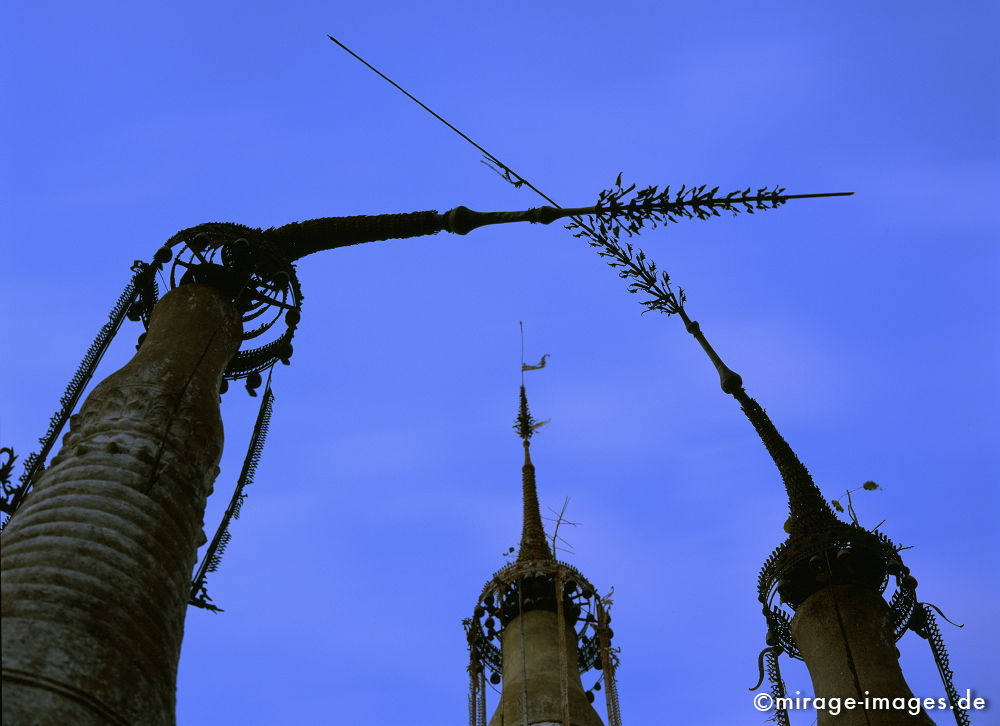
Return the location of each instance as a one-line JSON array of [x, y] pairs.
[[97, 561], [844, 633], [532, 670]]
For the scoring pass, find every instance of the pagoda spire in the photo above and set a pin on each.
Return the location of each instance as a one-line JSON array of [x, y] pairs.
[[539, 625], [807, 508], [832, 575], [533, 544]]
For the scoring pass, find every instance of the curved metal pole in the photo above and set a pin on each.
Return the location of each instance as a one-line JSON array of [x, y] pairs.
[[298, 239]]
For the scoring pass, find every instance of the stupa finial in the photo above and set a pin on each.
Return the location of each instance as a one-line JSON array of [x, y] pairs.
[[807, 508], [533, 544], [539, 624]]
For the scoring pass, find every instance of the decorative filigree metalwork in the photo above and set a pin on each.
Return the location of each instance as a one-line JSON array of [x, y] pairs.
[[902, 605], [6, 469], [262, 282], [617, 213], [924, 624], [534, 581], [773, 669], [213, 555], [805, 563], [614, 216]]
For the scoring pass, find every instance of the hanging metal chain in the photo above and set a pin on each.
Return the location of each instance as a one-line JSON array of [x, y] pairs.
[[482, 698], [925, 625], [213, 555], [473, 689], [563, 661], [780, 716], [142, 281], [609, 662], [477, 690]]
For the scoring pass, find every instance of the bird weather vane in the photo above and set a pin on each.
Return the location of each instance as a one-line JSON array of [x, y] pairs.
[[256, 269]]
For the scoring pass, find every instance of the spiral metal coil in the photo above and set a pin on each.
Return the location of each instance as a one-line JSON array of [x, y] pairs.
[[252, 271]]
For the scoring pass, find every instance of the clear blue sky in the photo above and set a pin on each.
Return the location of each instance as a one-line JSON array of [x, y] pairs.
[[389, 488]]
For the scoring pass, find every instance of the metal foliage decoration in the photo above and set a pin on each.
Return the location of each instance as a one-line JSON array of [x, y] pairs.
[[525, 424], [213, 555], [616, 213]]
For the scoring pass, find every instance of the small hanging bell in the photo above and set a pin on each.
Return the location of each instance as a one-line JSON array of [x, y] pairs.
[[253, 383]]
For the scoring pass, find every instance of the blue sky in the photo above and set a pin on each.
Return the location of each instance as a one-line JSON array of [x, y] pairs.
[[389, 488]]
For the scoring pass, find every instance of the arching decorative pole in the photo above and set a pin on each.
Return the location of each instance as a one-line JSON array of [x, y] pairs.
[[831, 574]]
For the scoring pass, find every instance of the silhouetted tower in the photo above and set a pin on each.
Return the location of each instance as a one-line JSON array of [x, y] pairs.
[[538, 627], [831, 575]]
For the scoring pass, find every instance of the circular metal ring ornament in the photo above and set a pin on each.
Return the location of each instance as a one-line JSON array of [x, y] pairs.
[[239, 261], [502, 599], [844, 553]]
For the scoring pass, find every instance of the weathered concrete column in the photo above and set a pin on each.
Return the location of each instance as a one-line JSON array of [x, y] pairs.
[[538, 674], [97, 561], [845, 636]]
